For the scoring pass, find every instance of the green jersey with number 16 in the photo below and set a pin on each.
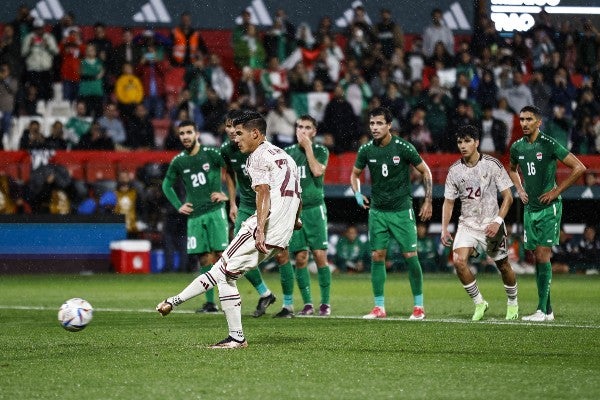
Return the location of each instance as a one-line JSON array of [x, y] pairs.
[[537, 161]]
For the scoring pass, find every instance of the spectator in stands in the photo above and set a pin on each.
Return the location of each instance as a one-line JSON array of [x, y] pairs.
[[11, 196], [274, 81], [250, 93], [540, 92], [8, 90], [356, 89], [462, 90], [23, 23], [418, 132], [563, 91], [188, 44], [487, 91], [485, 36], [340, 122], [104, 47], [213, 111], [113, 125], [140, 131], [560, 126], [281, 124], [437, 32], [585, 136], [279, 41], [503, 112], [494, 134], [172, 141], [10, 52], [389, 33], [56, 139], [54, 197], [71, 52], [441, 58], [351, 253], [361, 20], [79, 124], [588, 52], [125, 52], [249, 49], [128, 202], [91, 89], [28, 102], [392, 100], [241, 29], [152, 70], [325, 28], [380, 82], [32, 137], [39, 49], [63, 27], [518, 95], [219, 79], [96, 139], [358, 44], [588, 249], [129, 91], [299, 79]]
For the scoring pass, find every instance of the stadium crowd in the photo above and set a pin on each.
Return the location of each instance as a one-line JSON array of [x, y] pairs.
[[433, 82]]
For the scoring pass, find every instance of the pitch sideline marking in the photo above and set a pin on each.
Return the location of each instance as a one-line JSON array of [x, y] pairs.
[[394, 319]]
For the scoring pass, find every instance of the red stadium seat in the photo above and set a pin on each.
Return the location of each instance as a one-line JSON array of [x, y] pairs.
[[97, 170], [161, 130]]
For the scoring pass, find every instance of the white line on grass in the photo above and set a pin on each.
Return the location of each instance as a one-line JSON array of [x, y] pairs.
[[428, 320]]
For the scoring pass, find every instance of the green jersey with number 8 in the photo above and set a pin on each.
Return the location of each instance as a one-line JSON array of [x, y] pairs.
[[389, 166]]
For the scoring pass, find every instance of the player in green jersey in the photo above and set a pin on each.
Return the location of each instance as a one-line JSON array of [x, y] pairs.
[[237, 176], [535, 155], [311, 159], [389, 159], [207, 229]]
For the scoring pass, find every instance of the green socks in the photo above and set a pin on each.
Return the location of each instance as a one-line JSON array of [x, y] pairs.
[[543, 278]]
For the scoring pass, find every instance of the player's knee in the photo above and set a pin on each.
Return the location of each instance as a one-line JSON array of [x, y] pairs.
[[378, 255], [301, 259]]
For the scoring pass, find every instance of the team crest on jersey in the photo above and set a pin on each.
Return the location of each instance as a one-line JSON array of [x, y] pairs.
[[396, 160], [538, 155], [205, 166]]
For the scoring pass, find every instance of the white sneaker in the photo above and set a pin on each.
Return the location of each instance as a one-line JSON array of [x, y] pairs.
[[550, 317], [538, 316]]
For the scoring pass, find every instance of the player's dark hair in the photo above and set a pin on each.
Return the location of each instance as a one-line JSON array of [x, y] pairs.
[[467, 131], [386, 113], [187, 122], [534, 110], [306, 117], [232, 115], [252, 120]]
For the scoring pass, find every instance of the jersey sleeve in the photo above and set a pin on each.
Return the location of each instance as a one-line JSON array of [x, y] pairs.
[[411, 154], [503, 181], [560, 151], [321, 154], [168, 182], [450, 187], [361, 158]]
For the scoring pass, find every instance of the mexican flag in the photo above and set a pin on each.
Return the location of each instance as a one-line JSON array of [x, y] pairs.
[[311, 103]]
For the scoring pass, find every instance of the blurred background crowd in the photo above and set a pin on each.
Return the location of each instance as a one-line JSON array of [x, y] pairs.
[[63, 87]]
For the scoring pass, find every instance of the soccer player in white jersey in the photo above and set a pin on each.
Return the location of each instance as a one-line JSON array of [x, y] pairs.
[[275, 179], [476, 179]]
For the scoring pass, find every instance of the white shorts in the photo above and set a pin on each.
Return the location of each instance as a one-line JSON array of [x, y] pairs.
[[241, 255], [495, 247]]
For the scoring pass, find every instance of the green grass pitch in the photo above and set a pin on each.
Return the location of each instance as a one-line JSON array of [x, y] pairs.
[[130, 352]]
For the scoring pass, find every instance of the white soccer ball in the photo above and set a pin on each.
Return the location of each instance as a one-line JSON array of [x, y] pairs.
[[75, 314]]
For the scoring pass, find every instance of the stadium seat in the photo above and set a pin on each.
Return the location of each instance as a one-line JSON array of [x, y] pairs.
[[173, 84]]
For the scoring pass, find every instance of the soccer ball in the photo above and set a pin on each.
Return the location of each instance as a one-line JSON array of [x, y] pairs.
[[75, 314]]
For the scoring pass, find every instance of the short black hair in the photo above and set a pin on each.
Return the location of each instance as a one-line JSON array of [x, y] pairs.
[[467, 131], [532, 109], [186, 122], [306, 117], [252, 120], [385, 112], [232, 115]]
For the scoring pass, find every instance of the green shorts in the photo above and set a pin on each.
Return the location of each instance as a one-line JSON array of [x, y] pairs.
[[542, 228], [401, 225], [313, 234], [243, 214], [208, 232]]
